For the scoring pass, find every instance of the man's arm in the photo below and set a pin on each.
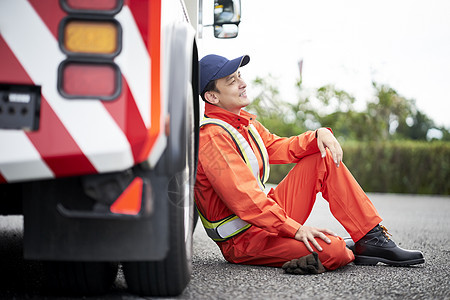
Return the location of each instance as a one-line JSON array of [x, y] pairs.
[[283, 150], [235, 184]]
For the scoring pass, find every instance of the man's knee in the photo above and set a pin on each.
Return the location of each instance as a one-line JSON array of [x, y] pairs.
[[317, 159], [335, 254]]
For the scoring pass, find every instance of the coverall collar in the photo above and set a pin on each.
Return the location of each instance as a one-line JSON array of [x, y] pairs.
[[244, 119]]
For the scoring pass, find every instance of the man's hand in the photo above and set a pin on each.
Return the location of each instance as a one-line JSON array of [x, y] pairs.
[[326, 139], [308, 234]]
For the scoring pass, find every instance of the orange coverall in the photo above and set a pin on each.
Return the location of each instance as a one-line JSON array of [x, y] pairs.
[[225, 185]]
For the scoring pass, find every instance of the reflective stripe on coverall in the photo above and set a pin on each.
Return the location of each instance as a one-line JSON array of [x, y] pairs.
[[231, 226], [225, 186]]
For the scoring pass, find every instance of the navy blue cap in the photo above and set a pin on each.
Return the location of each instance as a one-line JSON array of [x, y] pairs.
[[213, 67]]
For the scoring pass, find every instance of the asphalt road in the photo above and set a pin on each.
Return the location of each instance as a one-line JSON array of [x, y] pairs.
[[416, 222]]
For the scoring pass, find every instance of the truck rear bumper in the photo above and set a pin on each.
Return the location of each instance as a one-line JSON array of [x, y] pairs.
[[52, 234]]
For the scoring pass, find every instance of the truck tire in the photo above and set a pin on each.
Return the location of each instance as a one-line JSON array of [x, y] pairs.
[[79, 278], [170, 276]]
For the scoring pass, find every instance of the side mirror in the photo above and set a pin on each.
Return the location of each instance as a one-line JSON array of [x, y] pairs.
[[226, 31], [227, 16]]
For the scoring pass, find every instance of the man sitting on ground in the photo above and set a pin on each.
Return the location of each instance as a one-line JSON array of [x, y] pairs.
[[251, 227]]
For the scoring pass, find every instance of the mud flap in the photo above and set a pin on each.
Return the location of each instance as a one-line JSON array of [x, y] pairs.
[[52, 234]]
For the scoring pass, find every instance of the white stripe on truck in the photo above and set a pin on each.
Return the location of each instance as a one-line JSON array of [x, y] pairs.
[[87, 121]]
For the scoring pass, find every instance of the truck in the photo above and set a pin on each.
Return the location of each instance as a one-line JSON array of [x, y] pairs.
[[99, 120]]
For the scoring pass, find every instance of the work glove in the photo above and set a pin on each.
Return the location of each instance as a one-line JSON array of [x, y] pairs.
[[309, 264]]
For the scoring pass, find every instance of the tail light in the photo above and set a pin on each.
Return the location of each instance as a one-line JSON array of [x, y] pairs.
[[91, 38], [97, 80], [92, 6]]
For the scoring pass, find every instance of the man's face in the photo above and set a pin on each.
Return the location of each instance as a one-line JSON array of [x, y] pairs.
[[232, 94]]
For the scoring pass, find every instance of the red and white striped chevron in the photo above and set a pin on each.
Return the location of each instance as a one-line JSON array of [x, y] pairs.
[[79, 136]]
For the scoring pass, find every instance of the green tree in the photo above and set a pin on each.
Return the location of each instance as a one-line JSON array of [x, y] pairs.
[[389, 116], [283, 118], [417, 128], [336, 110], [445, 134], [375, 138]]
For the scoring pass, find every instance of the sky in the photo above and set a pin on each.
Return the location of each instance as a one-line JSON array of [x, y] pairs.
[[349, 43]]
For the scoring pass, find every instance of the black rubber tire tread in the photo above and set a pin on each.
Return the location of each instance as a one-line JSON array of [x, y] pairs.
[[79, 278]]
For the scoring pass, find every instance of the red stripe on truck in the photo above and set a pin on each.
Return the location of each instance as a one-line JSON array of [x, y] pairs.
[[126, 114], [57, 147], [53, 142], [10, 71], [50, 12], [139, 9], [2, 179]]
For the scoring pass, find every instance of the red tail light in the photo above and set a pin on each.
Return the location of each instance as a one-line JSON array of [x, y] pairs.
[[91, 38], [111, 6], [89, 80]]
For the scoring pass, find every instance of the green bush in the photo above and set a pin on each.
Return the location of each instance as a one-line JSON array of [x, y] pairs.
[[410, 167]]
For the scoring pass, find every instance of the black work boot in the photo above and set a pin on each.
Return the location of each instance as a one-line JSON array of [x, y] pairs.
[[377, 247], [349, 243]]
